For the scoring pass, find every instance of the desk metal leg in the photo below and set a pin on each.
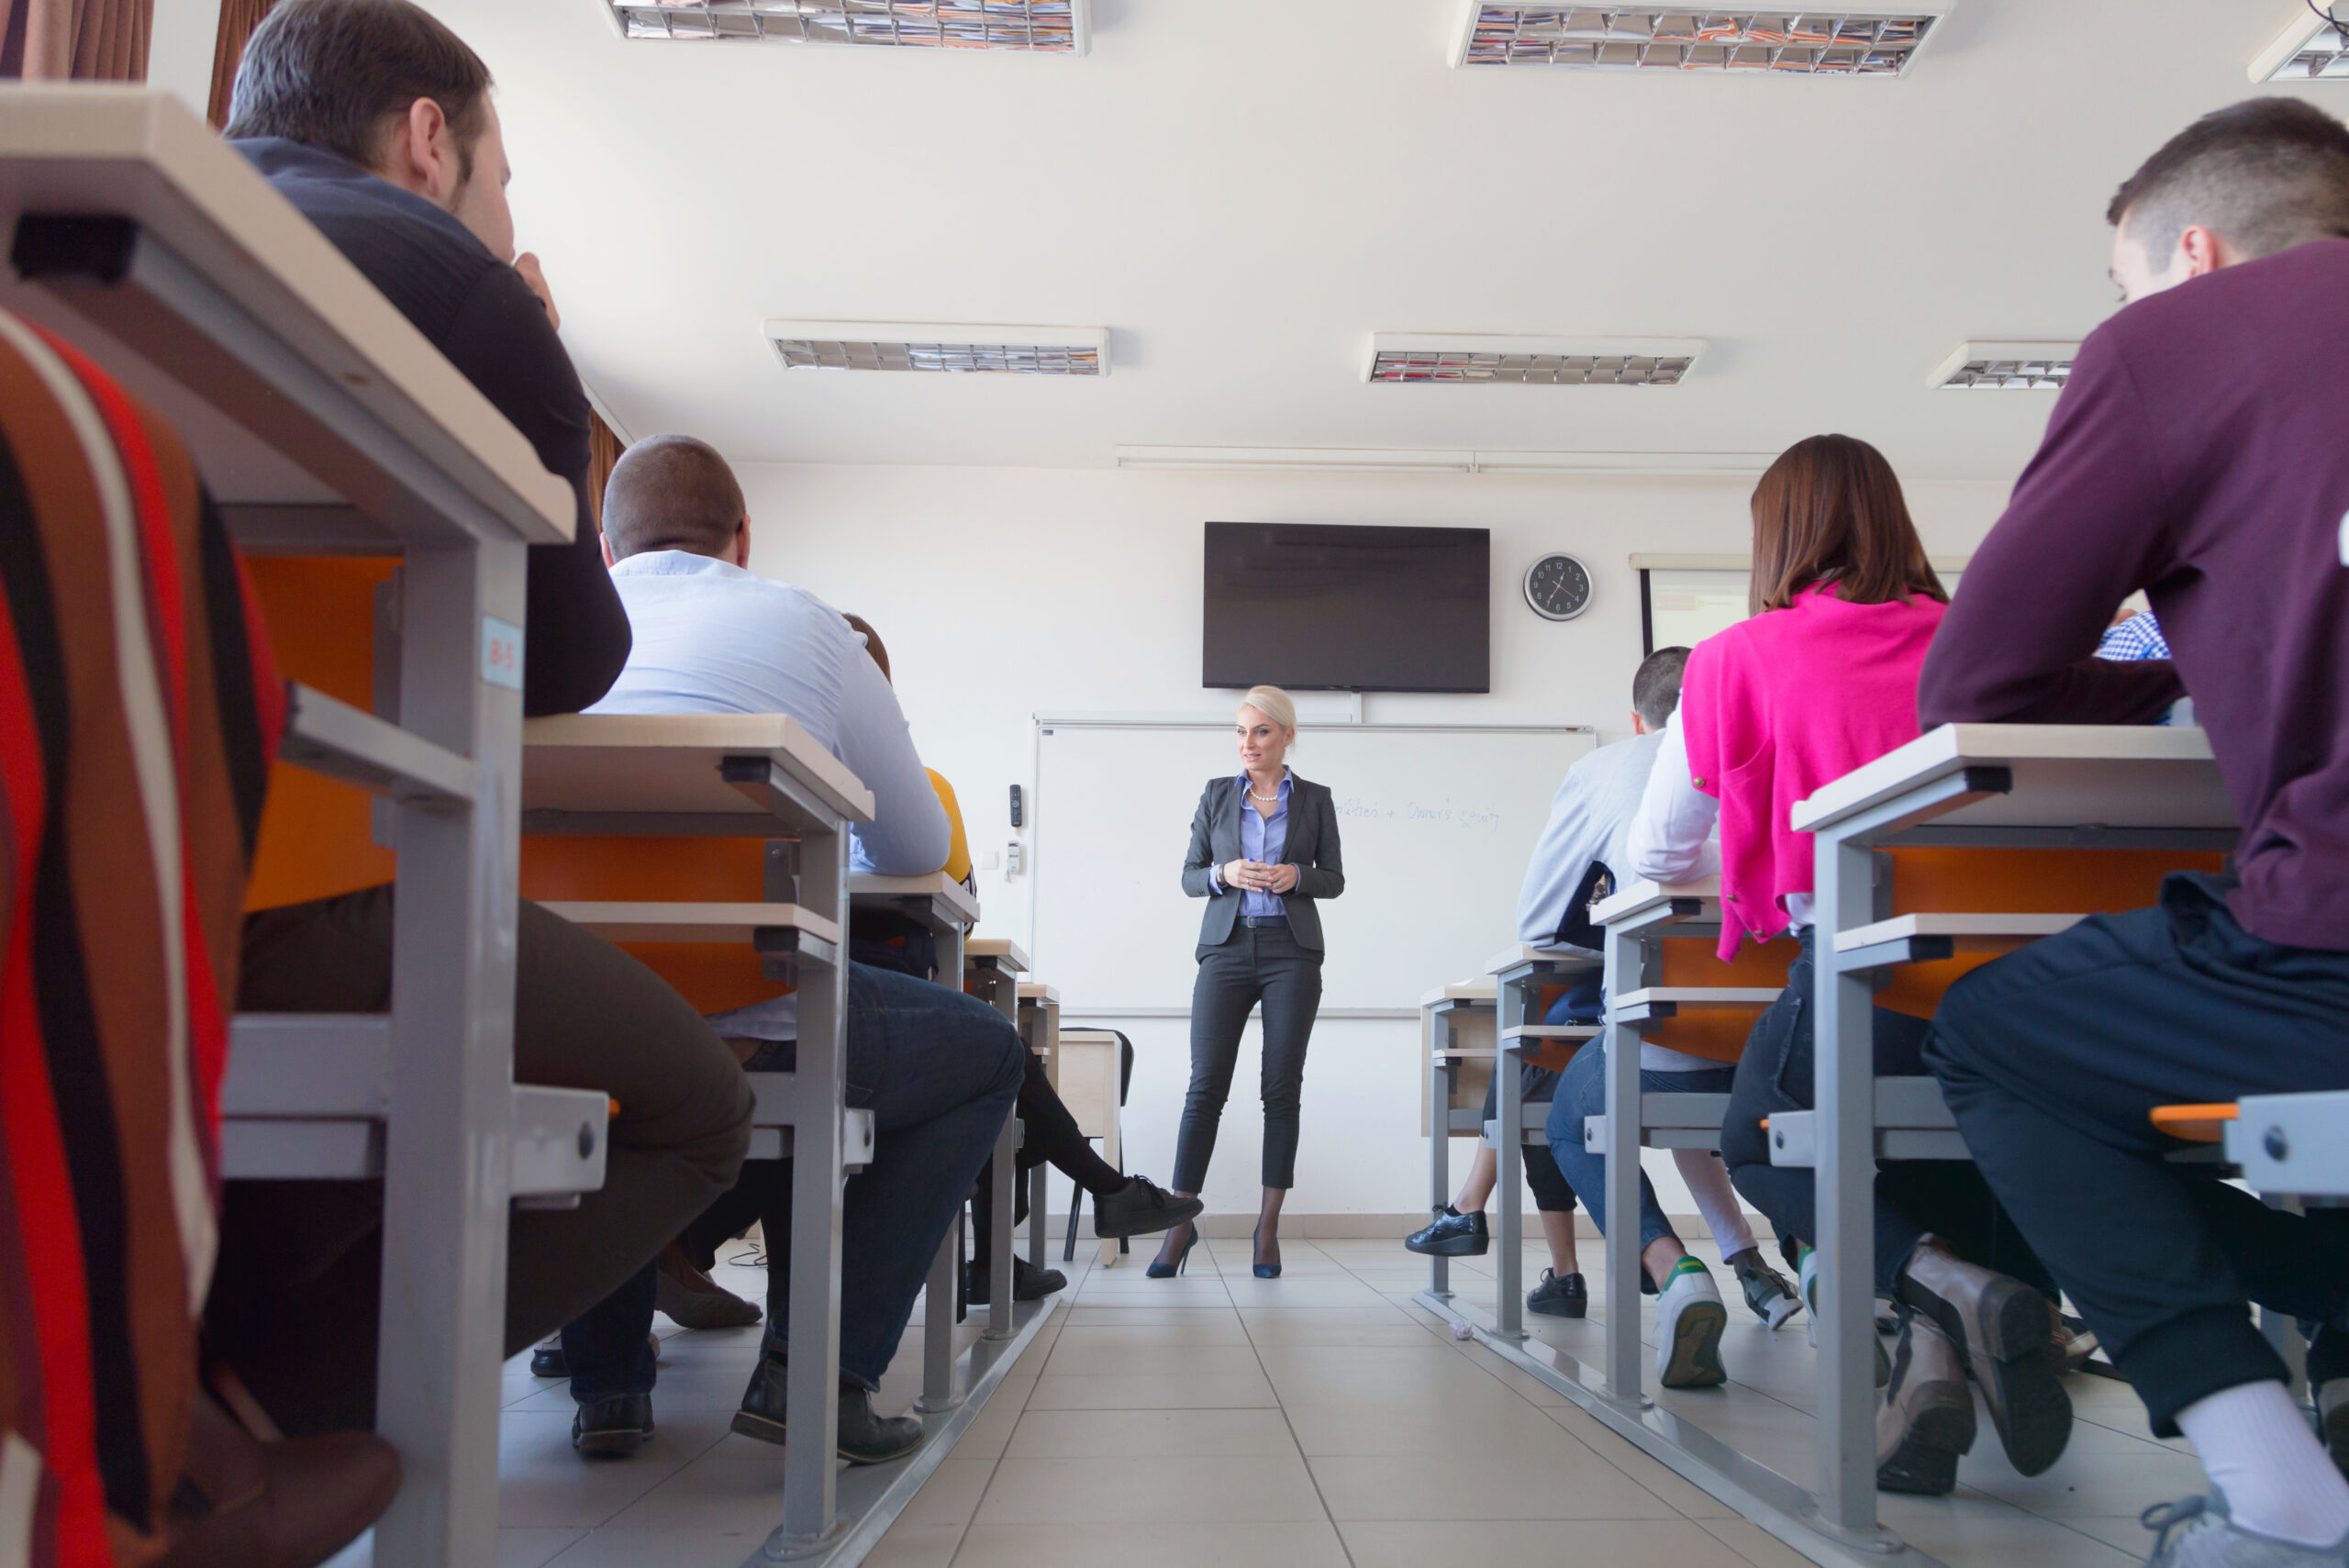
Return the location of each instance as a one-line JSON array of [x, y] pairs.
[[1626, 972], [811, 1394], [1439, 1145], [447, 1169], [1508, 1185], [1845, 1096], [1005, 991], [938, 1392]]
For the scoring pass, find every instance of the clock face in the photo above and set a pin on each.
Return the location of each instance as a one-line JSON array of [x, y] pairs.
[[1558, 587]]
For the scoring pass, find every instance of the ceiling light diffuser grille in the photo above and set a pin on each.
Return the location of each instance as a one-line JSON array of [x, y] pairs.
[[952, 350], [1645, 37], [1051, 27], [1398, 358], [2311, 48], [2006, 367]]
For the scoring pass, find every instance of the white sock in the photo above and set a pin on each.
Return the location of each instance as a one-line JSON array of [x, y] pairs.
[[2256, 1447], [1708, 1180]]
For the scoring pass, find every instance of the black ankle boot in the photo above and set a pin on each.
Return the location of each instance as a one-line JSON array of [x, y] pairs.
[[864, 1438]]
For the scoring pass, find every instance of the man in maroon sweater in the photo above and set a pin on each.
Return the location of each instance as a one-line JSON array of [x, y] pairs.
[[2201, 452]]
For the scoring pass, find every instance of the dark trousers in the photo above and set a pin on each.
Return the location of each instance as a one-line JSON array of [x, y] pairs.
[[2052, 1059], [1912, 1196], [1256, 963], [1049, 1135], [940, 1071], [293, 1302], [1551, 1192]]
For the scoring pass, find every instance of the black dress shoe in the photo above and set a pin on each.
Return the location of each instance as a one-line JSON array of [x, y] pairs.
[[1029, 1283], [1140, 1207], [1451, 1234], [864, 1438], [614, 1427], [1555, 1298], [547, 1360]]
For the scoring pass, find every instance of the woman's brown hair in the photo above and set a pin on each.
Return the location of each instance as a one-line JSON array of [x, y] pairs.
[[1829, 510]]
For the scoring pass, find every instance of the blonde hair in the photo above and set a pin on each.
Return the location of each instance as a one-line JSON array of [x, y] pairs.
[[1274, 703]]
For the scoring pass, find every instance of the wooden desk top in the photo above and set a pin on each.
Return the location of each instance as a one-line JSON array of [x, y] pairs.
[[1044, 996], [667, 762], [136, 153], [1639, 897], [1563, 958], [2109, 775], [958, 902], [999, 951], [1463, 991]]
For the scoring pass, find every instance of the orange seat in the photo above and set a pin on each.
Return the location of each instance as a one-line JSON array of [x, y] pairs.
[[2194, 1124]]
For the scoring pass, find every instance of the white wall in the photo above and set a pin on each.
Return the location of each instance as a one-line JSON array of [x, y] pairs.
[[1004, 592]]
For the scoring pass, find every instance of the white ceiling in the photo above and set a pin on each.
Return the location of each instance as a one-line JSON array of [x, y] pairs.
[[1242, 191]]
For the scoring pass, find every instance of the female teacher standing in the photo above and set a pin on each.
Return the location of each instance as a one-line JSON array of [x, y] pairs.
[[1264, 847]]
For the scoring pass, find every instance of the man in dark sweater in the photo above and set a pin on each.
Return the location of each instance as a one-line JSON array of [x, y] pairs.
[[375, 120], [2201, 452]]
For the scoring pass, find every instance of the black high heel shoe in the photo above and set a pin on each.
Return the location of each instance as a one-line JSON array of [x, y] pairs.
[[1182, 1259], [1262, 1271]]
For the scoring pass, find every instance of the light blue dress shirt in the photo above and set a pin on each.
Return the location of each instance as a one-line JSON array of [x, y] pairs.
[[1261, 838]]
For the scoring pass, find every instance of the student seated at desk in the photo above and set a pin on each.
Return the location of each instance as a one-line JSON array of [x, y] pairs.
[[375, 120], [1590, 824], [2196, 454], [1819, 681], [1122, 1205]]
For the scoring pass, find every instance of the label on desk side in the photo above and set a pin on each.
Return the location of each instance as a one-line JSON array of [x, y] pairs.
[[501, 653]]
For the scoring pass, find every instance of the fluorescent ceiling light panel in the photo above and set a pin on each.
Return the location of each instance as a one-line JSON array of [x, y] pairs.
[[1047, 27], [927, 346], [1391, 460], [2006, 367], [2310, 50], [1467, 360], [1831, 42]]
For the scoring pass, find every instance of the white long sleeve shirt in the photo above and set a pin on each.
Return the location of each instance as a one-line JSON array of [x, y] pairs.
[[712, 637]]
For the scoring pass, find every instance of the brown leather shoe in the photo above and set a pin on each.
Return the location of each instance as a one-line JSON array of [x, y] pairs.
[[1924, 1423], [243, 1503], [693, 1300]]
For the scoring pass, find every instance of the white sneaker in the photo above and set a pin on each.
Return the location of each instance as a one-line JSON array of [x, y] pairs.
[[1689, 1318], [1807, 1276], [2197, 1533]]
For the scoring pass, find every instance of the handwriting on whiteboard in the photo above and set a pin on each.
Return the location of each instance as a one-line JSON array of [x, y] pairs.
[[1437, 814]]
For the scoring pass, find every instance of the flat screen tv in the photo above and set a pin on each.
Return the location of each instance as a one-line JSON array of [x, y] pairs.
[[1331, 607]]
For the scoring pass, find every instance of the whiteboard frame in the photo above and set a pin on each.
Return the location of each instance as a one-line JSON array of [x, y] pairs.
[[1112, 721]]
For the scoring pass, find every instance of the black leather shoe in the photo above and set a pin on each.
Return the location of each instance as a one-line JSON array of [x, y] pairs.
[[614, 1427], [1141, 1208], [547, 1359], [1029, 1283], [1555, 1298], [1451, 1234], [864, 1438]]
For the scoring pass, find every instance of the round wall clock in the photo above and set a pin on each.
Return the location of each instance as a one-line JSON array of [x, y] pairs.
[[1558, 587]]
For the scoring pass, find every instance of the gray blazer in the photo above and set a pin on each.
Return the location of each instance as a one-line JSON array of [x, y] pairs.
[[1311, 847]]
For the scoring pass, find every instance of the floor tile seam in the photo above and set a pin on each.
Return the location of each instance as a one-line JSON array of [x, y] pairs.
[[1281, 1404], [994, 1462]]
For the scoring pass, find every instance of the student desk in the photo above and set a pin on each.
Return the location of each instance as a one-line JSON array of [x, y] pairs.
[[1519, 973], [1040, 1030], [324, 424], [1447, 1051], [1088, 1074], [744, 776], [2040, 787], [991, 970]]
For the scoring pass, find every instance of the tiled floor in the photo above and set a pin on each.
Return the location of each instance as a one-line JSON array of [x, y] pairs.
[[1313, 1421]]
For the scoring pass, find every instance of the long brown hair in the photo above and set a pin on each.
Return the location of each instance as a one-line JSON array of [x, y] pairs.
[[1829, 510]]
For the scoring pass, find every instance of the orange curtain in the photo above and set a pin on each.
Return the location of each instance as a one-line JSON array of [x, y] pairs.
[[238, 20], [603, 448], [79, 40]]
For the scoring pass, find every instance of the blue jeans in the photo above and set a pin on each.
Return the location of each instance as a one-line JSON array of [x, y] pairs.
[[940, 1071], [1582, 1092]]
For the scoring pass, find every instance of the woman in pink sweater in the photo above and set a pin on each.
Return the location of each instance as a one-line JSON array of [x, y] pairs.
[[1821, 679]]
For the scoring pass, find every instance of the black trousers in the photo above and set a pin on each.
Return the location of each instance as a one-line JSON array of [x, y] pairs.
[[1947, 1197], [1049, 1135], [2052, 1059], [1552, 1193], [1259, 964]]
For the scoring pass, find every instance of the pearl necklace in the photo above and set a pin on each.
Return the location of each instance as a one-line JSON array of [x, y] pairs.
[[1255, 794]]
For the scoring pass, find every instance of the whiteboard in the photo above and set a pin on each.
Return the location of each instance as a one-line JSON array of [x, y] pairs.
[[1435, 824]]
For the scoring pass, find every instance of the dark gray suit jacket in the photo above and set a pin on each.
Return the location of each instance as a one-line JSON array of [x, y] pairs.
[[1311, 847]]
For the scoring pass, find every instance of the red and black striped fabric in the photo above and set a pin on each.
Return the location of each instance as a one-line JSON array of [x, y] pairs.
[[140, 708]]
